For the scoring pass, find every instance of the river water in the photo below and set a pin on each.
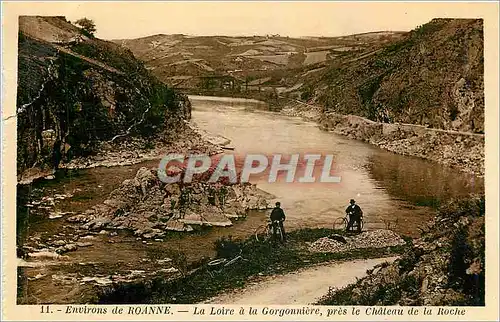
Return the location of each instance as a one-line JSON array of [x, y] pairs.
[[388, 187]]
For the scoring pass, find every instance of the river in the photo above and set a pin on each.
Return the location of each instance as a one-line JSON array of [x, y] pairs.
[[387, 186]]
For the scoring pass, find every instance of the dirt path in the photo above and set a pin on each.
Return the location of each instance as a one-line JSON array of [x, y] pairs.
[[302, 287]]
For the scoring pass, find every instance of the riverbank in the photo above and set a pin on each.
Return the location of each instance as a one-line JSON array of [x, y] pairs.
[[302, 287], [134, 150], [446, 266], [260, 260], [157, 274], [461, 150]]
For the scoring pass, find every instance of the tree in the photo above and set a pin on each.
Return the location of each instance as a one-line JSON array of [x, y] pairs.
[[87, 26]]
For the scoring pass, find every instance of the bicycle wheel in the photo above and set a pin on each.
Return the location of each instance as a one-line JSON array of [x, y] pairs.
[[217, 262], [340, 223], [261, 233], [280, 235]]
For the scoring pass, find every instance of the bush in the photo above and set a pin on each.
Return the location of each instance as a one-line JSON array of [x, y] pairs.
[[226, 247], [87, 26]]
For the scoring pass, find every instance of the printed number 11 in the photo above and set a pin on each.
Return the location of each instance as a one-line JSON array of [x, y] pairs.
[[46, 309]]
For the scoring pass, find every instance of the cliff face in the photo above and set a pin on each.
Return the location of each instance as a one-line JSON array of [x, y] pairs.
[[432, 77], [75, 92]]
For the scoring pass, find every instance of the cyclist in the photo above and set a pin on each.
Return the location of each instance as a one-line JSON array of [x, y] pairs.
[[355, 214], [278, 215]]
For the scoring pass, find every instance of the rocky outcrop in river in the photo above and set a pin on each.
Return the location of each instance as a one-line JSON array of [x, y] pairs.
[[149, 207]]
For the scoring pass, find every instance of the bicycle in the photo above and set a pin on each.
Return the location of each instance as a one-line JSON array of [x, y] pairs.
[[343, 222], [217, 265], [265, 232]]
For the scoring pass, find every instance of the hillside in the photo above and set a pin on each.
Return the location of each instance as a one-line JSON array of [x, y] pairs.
[[76, 91], [419, 93], [446, 266], [237, 64], [432, 77]]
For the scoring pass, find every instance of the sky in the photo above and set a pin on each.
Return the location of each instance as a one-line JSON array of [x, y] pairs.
[[116, 20]]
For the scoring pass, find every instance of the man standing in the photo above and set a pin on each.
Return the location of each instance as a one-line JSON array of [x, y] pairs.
[[355, 214], [278, 215]]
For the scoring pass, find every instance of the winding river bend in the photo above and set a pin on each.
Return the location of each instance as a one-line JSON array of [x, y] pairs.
[[387, 186]]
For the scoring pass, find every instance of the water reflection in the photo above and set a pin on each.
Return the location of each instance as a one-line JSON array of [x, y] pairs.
[[419, 181]]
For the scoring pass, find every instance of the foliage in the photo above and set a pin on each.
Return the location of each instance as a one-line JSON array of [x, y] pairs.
[[87, 26]]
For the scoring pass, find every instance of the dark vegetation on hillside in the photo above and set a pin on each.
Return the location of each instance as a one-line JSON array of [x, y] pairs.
[[432, 77], [74, 95]]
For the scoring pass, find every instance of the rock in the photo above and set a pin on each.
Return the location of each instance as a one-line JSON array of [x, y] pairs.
[[97, 280], [206, 218], [377, 239], [59, 243], [163, 261], [55, 215], [46, 254], [176, 225], [66, 248], [79, 219], [143, 204], [338, 238], [87, 244], [65, 279], [36, 277]]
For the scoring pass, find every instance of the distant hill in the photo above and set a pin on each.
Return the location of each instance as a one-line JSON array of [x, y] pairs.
[[432, 76], [183, 61], [75, 91]]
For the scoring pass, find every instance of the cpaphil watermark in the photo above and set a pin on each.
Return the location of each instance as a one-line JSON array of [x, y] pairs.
[[307, 168]]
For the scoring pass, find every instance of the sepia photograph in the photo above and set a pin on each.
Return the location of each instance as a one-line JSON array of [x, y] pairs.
[[302, 158]]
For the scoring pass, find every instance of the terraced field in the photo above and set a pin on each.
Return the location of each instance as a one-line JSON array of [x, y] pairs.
[[244, 59]]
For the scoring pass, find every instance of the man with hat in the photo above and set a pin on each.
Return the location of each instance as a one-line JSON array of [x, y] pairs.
[[355, 213]]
